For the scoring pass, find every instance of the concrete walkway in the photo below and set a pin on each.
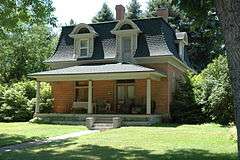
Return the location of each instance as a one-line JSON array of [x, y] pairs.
[[40, 142]]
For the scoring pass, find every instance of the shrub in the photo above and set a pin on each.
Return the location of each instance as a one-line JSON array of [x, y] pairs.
[[17, 102], [212, 90], [14, 106], [183, 107]]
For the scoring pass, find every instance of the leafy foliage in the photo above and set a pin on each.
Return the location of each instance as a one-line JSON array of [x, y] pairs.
[[183, 107], [25, 52], [212, 90], [17, 102], [134, 10], [105, 14]]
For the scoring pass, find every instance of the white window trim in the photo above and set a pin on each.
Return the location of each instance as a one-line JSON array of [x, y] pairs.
[[121, 43], [80, 47]]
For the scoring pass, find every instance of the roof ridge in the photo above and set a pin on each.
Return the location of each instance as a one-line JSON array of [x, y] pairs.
[[140, 19]]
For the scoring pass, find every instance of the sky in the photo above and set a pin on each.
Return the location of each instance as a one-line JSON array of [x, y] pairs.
[[82, 11]]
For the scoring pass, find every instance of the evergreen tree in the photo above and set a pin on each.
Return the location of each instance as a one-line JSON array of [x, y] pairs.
[[105, 14], [72, 22], [134, 10]]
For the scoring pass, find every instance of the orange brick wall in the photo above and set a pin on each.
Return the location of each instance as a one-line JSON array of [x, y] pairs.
[[104, 90], [166, 89], [63, 93]]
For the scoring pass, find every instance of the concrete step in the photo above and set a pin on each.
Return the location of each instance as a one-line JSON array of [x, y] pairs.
[[104, 120], [100, 126]]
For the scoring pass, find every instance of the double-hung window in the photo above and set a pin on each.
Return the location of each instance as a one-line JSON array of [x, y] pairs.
[[126, 46], [84, 47]]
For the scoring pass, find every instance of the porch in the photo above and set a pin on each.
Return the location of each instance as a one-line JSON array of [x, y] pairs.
[[106, 89]]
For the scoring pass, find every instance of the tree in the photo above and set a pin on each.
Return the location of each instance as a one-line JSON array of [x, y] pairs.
[[24, 52], [205, 39], [212, 90], [16, 14], [72, 22], [134, 10], [184, 108], [105, 14], [228, 13], [25, 37]]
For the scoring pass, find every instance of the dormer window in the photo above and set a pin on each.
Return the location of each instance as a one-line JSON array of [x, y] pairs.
[[126, 32], [84, 47], [83, 35], [126, 44]]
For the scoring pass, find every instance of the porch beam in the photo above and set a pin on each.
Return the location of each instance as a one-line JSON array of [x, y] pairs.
[[148, 94], [90, 106], [37, 97]]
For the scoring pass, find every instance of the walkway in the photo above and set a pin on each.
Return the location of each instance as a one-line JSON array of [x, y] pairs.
[[40, 142]]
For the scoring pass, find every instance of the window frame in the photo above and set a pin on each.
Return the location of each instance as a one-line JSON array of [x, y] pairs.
[[80, 47], [79, 87], [121, 43]]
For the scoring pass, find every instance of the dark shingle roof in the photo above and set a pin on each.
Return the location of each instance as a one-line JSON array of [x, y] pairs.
[[157, 38], [96, 69]]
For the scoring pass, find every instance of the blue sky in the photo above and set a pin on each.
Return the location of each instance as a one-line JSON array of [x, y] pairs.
[[82, 11]]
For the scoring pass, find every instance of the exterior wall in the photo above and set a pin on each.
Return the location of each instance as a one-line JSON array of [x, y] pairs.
[[166, 86], [162, 91], [104, 91], [63, 93]]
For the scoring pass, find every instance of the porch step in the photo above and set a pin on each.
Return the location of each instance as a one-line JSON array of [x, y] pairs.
[[104, 120], [99, 126]]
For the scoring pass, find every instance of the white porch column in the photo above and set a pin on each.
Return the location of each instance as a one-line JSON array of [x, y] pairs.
[[90, 106], [37, 98], [148, 109]]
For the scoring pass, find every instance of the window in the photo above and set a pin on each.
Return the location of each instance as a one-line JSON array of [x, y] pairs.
[[81, 92], [126, 44], [83, 47]]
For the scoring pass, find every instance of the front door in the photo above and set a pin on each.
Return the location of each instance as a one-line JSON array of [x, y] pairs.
[[125, 96]]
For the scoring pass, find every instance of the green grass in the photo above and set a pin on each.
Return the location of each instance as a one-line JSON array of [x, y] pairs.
[[168, 142], [12, 133]]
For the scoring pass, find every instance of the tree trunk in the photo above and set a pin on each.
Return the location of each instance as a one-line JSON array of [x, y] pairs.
[[229, 14]]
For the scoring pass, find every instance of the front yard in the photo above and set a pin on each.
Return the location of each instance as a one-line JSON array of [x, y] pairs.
[[18, 132], [190, 142]]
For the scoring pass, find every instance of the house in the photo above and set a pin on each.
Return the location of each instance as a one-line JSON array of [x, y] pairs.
[[123, 68]]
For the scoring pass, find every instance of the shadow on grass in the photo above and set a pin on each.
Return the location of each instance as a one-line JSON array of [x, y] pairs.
[[9, 139], [56, 151]]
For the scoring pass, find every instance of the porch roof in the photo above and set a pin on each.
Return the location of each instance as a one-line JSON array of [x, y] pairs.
[[98, 72]]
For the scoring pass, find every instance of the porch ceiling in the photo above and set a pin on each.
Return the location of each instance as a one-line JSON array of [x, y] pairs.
[[99, 72]]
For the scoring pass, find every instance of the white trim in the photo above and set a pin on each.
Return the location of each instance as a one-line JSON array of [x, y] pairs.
[[37, 97], [105, 76], [80, 26], [148, 96], [80, 47], [90, 105], [116, 29]]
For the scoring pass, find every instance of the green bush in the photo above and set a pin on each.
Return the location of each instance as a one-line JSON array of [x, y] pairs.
[[17, 101], [183, 108], [212, 90]]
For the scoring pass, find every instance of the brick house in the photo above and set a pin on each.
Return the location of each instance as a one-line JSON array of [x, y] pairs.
[[122, 67]]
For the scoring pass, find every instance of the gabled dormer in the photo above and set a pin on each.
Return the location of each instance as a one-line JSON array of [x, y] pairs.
[[83, 36], [126, 32]]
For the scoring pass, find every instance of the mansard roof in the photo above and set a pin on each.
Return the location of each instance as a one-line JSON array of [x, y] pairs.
[[155, 39]]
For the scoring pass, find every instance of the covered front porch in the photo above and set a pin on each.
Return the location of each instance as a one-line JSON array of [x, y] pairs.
[[105, 89]]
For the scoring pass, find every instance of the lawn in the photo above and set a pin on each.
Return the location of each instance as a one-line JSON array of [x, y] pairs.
[[12, 133], [184, 142]]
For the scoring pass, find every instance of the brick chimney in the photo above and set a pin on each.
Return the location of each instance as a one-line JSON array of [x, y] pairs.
[[120, 12], [162, 12]]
